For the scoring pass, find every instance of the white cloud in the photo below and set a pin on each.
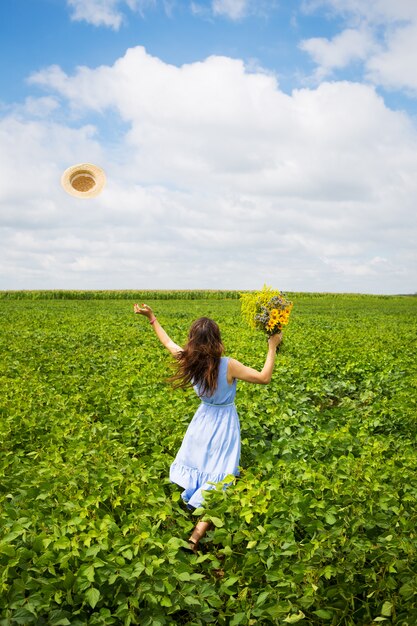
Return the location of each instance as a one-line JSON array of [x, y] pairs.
[[36, 107], [388, 57], [235, 9], [348, 46], [219, 180], [395, 67], [97, 12], [112, 13], [107, 12], [377, 11]]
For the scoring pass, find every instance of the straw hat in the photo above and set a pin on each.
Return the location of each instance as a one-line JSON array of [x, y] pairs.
[[83, 180]]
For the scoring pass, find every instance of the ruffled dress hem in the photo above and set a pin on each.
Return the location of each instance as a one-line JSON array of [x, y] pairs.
[[195, 482]]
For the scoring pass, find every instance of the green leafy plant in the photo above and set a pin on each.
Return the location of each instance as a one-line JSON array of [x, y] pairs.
[[319, 528]]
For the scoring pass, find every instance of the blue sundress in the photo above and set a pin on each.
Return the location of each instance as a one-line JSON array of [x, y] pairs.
[[210, 450]]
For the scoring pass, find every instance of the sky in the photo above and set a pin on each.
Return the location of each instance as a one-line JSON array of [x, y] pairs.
[[245, 142]]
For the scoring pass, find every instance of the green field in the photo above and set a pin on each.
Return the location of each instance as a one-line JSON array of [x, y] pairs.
[[321, 526]]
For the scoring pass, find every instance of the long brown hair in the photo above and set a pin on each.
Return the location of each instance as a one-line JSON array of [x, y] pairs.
[[198, 363]]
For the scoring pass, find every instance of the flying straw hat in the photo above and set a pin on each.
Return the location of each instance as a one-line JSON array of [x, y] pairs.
[[83, 180]]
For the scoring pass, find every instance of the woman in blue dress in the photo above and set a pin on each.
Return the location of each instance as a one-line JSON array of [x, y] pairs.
[[210, 450]]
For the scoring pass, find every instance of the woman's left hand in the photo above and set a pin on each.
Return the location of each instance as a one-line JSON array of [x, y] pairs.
[[143, 309], [274, 340]]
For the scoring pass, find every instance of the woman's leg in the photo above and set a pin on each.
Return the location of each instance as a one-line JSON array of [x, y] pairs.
[[197, 534]]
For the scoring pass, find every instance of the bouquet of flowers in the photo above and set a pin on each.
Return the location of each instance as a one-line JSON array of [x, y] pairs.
[[266, 310]]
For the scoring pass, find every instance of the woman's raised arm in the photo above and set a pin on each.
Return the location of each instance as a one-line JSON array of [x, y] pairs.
[[162, 335], [248, 374]]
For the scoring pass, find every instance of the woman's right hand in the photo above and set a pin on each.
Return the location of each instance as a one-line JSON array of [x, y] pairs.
[[143, 309], [275, 340]]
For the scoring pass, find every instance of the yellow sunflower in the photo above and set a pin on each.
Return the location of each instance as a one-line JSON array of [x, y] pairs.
[[270, 325]]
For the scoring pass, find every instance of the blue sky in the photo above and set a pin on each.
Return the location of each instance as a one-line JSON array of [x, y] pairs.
[[36, 33], [267, 141]]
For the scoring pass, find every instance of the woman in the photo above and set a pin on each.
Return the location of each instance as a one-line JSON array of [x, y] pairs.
[[210, 450]]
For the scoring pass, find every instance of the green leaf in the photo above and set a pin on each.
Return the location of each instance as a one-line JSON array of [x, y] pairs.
[[387, 609], [93, 551], [43, 496], [294, 618], [62, 543], [22, 616], [217, 521], [12, 535], [7, 549], [128, 554], [330, 518], [93, 596], [407, 589], [89, 573], [58, 620], [323, 614], [68, 580], [262, 597], [198, 511]]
